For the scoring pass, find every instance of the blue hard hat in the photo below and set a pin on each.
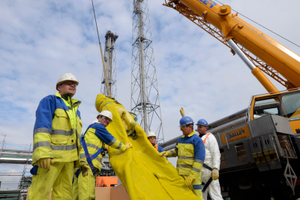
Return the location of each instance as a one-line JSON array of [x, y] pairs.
[[202, 122], [186, 120]]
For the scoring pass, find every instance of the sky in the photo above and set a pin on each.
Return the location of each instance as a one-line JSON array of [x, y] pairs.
[[40, 40]]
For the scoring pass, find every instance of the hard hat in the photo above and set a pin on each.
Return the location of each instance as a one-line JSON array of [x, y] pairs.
[[202, 122], [66, 77], [107, 114], [186, 120], [151, 134]]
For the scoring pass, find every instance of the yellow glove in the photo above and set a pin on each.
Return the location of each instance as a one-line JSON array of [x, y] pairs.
[[45, 163], [106, 146], [84, 170], [164, 153], [128, 145], [215, 174], [182, 112], [189, 180]]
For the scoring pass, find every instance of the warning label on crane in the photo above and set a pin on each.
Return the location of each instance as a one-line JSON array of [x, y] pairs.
[[234, 135]]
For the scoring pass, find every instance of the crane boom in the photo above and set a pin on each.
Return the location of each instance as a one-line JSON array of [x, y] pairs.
[[271, 57]]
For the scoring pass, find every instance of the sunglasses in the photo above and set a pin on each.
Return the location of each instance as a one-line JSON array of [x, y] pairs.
[[183, 127], [70, 83], [103, 117]]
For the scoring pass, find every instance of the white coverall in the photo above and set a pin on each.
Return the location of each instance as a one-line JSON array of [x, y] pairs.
[[212, 159]]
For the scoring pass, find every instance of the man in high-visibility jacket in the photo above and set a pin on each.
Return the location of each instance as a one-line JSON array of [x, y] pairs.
[[212, 159], [152, 139], [191, 154], [92, 145], [56, 142]]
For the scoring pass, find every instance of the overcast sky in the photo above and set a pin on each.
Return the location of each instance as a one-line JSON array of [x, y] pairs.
[[40, 40]]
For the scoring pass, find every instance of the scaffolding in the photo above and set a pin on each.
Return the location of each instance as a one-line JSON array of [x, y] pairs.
[[15, 154]]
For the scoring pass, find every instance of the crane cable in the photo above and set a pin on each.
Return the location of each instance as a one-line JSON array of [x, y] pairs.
[[103, 62]]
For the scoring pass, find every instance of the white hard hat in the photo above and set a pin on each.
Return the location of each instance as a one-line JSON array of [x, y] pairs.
[[107, 114], [66, 77], [151, 134]]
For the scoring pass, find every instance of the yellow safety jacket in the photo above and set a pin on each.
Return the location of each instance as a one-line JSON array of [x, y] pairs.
[[95, 137], [191, 154], [53, 135]]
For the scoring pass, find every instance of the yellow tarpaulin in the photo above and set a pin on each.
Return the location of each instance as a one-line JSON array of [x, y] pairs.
[[144, 174]]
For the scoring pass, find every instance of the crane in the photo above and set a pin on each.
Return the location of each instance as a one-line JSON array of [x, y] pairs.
[[260, 145]]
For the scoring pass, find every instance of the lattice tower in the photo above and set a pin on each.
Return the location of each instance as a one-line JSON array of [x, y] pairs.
[[145, 102]]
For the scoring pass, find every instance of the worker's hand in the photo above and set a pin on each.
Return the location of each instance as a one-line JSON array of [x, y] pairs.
[[106, 146], [84, 170], [215, 174], [45, 163], [128, 145], [189, 180], [164, 153], [182, 112]]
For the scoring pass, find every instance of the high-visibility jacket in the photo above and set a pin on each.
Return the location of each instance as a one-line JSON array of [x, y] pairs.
[[191, 154], [95, 137], [53, 135], [158, 148]]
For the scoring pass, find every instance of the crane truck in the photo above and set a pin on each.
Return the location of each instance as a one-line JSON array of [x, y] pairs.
[[259, 145]]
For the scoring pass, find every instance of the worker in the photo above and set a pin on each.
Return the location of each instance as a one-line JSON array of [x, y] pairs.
[[152, 139], [56, 141], [212, 159], [93, 144], [191, 154]]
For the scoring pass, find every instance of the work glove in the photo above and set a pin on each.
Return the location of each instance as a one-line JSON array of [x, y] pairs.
[[128, 145], [182, 112], [106, 146], [189, 180], [164, 153], [215, 174], [84, 170], [45, 163]]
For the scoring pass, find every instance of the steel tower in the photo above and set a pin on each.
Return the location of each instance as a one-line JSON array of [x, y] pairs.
[[145, 102], [110, 63]]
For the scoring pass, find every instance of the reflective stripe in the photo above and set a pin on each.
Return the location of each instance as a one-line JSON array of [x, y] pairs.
[[64, 147], [173, 152], [197, 187], [113, 141], [41, 144], [41, 130], [184, 166], [92, 146], [120, 145], [69, 107], [196, 170], [185, 157], [199, 161], [62, 132], [83, 156]]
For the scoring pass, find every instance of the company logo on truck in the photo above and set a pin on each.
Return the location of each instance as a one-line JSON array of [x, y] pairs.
[[205, 2], [237, 134]]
